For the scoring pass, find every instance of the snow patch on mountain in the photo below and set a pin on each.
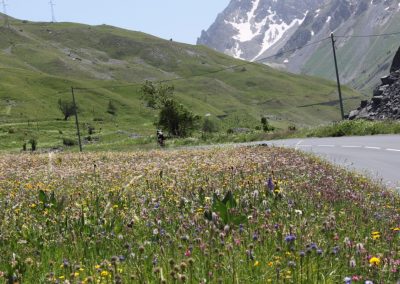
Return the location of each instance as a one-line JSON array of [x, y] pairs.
[[276, 32], [246, 30]]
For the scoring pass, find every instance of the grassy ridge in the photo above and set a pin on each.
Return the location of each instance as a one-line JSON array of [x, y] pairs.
[[39, 62]]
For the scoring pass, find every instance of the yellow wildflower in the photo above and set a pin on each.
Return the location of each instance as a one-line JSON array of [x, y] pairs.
[[257, 263], [104, 273], [374, 261]]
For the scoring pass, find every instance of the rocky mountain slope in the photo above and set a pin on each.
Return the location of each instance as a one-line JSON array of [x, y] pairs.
[[385, 104], [255, 29]]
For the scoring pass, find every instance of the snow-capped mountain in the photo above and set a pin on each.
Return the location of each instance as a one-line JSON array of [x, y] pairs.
[[255, 29]]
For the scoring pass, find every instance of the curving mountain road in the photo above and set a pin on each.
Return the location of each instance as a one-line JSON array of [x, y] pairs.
[[376, 156]]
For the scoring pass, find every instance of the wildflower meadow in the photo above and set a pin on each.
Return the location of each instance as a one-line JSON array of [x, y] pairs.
[[226, 215]]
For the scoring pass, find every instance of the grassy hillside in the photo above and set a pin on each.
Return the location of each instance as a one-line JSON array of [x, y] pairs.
[[39, 62]]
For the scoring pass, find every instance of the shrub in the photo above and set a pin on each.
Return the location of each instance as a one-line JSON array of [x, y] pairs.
[[209, 126], [91, 129], [33, 142], [69, 142], [111, 109]]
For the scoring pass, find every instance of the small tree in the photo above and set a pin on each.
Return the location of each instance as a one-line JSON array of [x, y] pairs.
[[266, 126], [156, 96], [173, 117], [111, 109], [67, 108], [33, 143], [177, 119]]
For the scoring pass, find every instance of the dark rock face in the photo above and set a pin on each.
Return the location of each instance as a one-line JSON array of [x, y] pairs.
[[385, 103], [396, 62]]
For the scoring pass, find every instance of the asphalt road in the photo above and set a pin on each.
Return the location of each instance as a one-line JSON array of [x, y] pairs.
[[377, 157]]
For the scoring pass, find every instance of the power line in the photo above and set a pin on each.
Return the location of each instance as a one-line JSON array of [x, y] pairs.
[[371, 35], [210, 72]]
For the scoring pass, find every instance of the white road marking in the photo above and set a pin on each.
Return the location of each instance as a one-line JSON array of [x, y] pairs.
[[344, 146], [297, 145], [325, 145], [393, 150], [374, 148]]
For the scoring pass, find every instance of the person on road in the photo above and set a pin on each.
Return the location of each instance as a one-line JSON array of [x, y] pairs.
[[160, 138]]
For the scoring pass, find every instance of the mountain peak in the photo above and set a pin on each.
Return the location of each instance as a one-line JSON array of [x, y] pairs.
[[255, 29]]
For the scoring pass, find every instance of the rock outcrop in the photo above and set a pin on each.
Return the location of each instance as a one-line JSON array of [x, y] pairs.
[[385, 103]]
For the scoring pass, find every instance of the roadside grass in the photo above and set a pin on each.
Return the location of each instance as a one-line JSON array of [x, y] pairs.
[[354, 128]]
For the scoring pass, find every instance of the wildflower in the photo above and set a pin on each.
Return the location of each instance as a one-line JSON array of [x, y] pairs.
[[298, 212], [352, 263], [104, 273], [369, 282], [396, 229], [360, 247], [256, 263], [188, 253], [290, 238], [347, 280], [376, 235], [270, 184], [374, 261]]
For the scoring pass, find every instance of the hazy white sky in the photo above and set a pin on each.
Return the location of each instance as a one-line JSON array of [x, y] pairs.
[[181, 20]]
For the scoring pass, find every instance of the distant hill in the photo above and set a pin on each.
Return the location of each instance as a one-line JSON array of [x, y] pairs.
[[254, 29], [39, 62]]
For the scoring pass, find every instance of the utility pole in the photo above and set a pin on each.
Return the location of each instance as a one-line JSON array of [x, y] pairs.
[[76, 119], [6, 22], [53, 18], [337, 76]]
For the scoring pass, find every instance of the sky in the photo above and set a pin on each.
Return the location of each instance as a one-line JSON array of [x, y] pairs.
[[181, 20]]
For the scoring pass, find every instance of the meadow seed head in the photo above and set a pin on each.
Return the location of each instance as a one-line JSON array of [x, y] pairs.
[[226, 229], [182, 278], [114, 259], [141, 249], [352, 263], [171, 262], [183, 266]]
